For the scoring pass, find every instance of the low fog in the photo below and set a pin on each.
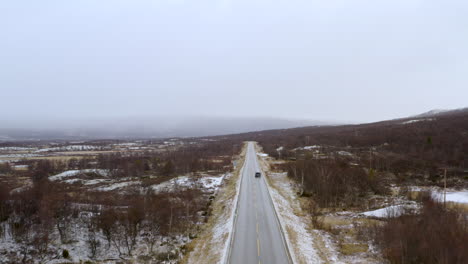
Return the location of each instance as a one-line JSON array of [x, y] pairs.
[[103, 67], [142, 127]]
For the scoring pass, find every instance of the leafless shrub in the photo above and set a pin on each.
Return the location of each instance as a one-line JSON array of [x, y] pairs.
[[92, 241], [333, 183], [436, 235]]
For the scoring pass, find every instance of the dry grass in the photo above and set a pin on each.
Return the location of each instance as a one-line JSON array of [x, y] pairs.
[[330, 223], [21, 169], [205, 248], [458, 206], [353, 248], [413, 195]]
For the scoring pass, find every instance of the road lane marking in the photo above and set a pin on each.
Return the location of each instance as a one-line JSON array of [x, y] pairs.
[[257, 228], [258, 247]]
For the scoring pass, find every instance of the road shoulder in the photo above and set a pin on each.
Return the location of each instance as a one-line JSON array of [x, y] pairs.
[[212, 243], [294, 221]]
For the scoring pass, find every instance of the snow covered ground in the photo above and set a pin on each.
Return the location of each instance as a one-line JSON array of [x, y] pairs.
[[79, 248], [300, 240], [16, 149], [455, 196], [391, 211], [69, 148], [205, 182], [20, 166], [345, 153], [213, 244], [307, 147], [460, 196], [452, 196], [417, 120], [71, 173], [116, 186]]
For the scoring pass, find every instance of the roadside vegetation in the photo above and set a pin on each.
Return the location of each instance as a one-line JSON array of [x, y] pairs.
[[435, 235], [123, 205], [362, 185]]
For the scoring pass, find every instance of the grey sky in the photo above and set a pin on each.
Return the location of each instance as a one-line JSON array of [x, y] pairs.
[[323, 60]]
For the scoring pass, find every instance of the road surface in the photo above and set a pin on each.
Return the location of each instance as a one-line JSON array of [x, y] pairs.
[[257, 234]]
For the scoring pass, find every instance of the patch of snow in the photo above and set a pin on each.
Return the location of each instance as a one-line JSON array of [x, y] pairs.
[[417, 120], [71, 173], [390, 211], [279, 149], [206, 182], [94, 181], [456, 196], [311, 147], [116, 186], [126, 144], [16, 148], [344, 153], [433, 112], [262, 154], [71, 181], [307, 147], [69, 148], [452, 196], [211, 182]]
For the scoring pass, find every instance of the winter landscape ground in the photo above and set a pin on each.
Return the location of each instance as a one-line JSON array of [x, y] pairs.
[[182, 200]]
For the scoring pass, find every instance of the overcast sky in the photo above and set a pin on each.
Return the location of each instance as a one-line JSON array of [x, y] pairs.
[[346, 60]]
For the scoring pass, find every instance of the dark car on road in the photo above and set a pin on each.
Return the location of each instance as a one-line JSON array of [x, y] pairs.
[[257, 174]]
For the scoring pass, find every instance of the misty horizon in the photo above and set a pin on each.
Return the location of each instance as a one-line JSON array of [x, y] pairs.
[[337, 61], [157, 126]]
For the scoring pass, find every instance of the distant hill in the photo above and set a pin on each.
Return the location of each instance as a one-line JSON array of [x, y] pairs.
[[438, 112], [148, 127], [435, 137]]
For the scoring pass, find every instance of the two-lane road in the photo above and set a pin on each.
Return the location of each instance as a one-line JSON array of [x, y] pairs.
[[257, 234]]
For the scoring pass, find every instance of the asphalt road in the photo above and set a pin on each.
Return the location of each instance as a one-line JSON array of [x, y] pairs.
[[257, 234]]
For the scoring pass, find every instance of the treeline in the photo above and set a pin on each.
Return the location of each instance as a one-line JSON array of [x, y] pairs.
[[208, 156], [335, 183], [423, 146]]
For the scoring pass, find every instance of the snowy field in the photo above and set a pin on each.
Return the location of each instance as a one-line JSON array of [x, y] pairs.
[[80, 246], [205, 182]]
